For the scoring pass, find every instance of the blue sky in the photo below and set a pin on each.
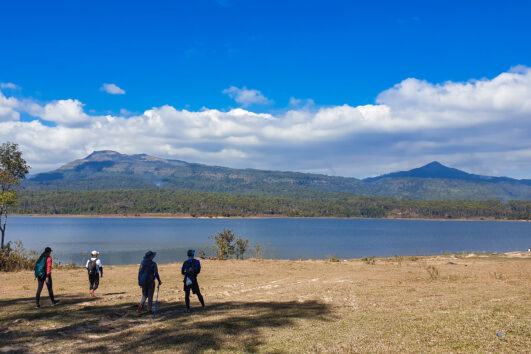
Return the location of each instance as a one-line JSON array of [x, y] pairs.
[[267, 57]]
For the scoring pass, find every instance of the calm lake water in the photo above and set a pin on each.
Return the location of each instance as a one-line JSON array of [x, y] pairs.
[[125, 240]]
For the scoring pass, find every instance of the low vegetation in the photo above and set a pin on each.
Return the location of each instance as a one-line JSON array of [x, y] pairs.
[[14, 257], [226, 245], [478, 303]]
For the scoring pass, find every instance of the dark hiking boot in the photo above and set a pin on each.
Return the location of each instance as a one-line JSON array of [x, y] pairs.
[[55, 302], [37, 306]]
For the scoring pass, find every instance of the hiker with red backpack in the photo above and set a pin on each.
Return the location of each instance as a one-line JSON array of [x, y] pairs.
[[147, 273], [191, 268], [94, 268], [43, 274]]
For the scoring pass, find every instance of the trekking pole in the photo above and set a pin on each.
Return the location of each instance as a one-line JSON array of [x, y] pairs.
[[156, 301]]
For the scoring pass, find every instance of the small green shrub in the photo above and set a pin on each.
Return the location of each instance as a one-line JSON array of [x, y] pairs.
[[241, 247], [226, 245], [333, 258], [369, 260]]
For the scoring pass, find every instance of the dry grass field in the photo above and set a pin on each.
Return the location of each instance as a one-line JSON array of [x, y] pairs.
[[451, 303]]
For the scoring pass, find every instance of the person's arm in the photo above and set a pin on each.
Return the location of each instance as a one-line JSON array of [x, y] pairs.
[[100, 266], [183, 268], [157, 274], [86, 265], [49, 263], [198, 266]]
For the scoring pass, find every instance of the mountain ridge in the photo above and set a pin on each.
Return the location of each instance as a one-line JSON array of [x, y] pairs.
[[107, 169]]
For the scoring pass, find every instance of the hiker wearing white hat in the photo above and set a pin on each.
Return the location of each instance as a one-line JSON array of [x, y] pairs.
[[95, 268]]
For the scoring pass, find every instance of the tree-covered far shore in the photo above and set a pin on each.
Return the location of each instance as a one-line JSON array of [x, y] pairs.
[[206, 204]]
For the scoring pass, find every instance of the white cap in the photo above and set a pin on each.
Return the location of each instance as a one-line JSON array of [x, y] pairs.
[[95, 253]]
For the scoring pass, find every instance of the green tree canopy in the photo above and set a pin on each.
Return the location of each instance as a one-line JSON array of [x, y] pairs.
[[13, 168]]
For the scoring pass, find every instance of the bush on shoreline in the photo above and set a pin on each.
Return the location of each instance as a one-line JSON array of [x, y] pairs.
[[14, 257]]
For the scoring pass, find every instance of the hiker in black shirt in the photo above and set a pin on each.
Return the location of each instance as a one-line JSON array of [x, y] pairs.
[[191, 268]]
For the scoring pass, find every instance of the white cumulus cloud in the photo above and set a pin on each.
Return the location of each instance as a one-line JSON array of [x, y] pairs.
[[113, 89], [8, 85], [8, 108], [483, 126], [245, 96]]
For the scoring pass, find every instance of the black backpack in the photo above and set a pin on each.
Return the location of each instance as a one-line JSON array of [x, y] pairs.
[[191, 270], [92, 267]]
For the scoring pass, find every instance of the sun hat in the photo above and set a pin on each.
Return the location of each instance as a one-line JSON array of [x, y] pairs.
[[150, 254], [95, 253]]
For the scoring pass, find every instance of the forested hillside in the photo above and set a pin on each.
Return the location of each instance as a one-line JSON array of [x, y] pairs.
[[193, 203]]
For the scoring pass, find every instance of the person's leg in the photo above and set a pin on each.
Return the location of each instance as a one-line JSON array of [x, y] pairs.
[[50, 288], [150, 296], [143, 300], [200, 297], [187, 296], [198, 293], [144, 295], [40, 282], [96, 282]]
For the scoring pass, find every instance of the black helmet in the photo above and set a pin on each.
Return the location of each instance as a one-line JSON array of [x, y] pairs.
[[190, 253]]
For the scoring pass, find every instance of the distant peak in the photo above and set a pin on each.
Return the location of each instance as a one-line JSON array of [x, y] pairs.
[[104, 152], [434, 164]]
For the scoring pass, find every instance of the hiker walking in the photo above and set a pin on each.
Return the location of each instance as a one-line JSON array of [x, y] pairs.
[[43, 274], [191, 268], [94, 268], [147, 273]]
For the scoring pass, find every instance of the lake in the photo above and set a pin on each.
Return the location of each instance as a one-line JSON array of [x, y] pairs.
[[125, 240]]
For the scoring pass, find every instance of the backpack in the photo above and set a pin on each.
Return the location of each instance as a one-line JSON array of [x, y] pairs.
[[145, 275], [92, 267], [40, 267], [191, 270]]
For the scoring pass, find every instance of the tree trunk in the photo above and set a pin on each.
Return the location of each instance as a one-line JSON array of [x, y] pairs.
[[3, 228]]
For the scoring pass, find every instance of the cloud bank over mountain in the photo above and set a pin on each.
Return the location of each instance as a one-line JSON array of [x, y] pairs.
[[483, 125]]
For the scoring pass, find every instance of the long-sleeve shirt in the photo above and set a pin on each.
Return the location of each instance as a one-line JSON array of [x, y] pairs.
[[49, 263]]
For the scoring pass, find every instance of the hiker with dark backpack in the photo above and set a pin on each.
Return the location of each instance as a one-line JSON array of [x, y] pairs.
[[191, 268], [94, 268], [147, 273], [43, 274]]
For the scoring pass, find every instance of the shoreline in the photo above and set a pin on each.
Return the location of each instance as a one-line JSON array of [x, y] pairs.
[[466, 255], [252, 217]]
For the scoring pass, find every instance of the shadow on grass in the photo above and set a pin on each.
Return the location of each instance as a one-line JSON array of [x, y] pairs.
[[79, 324]]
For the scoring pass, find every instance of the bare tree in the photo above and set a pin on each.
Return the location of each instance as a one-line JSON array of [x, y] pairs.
[[13, 168]]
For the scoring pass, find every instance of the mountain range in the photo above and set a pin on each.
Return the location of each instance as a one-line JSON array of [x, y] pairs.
[[110, 170]]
